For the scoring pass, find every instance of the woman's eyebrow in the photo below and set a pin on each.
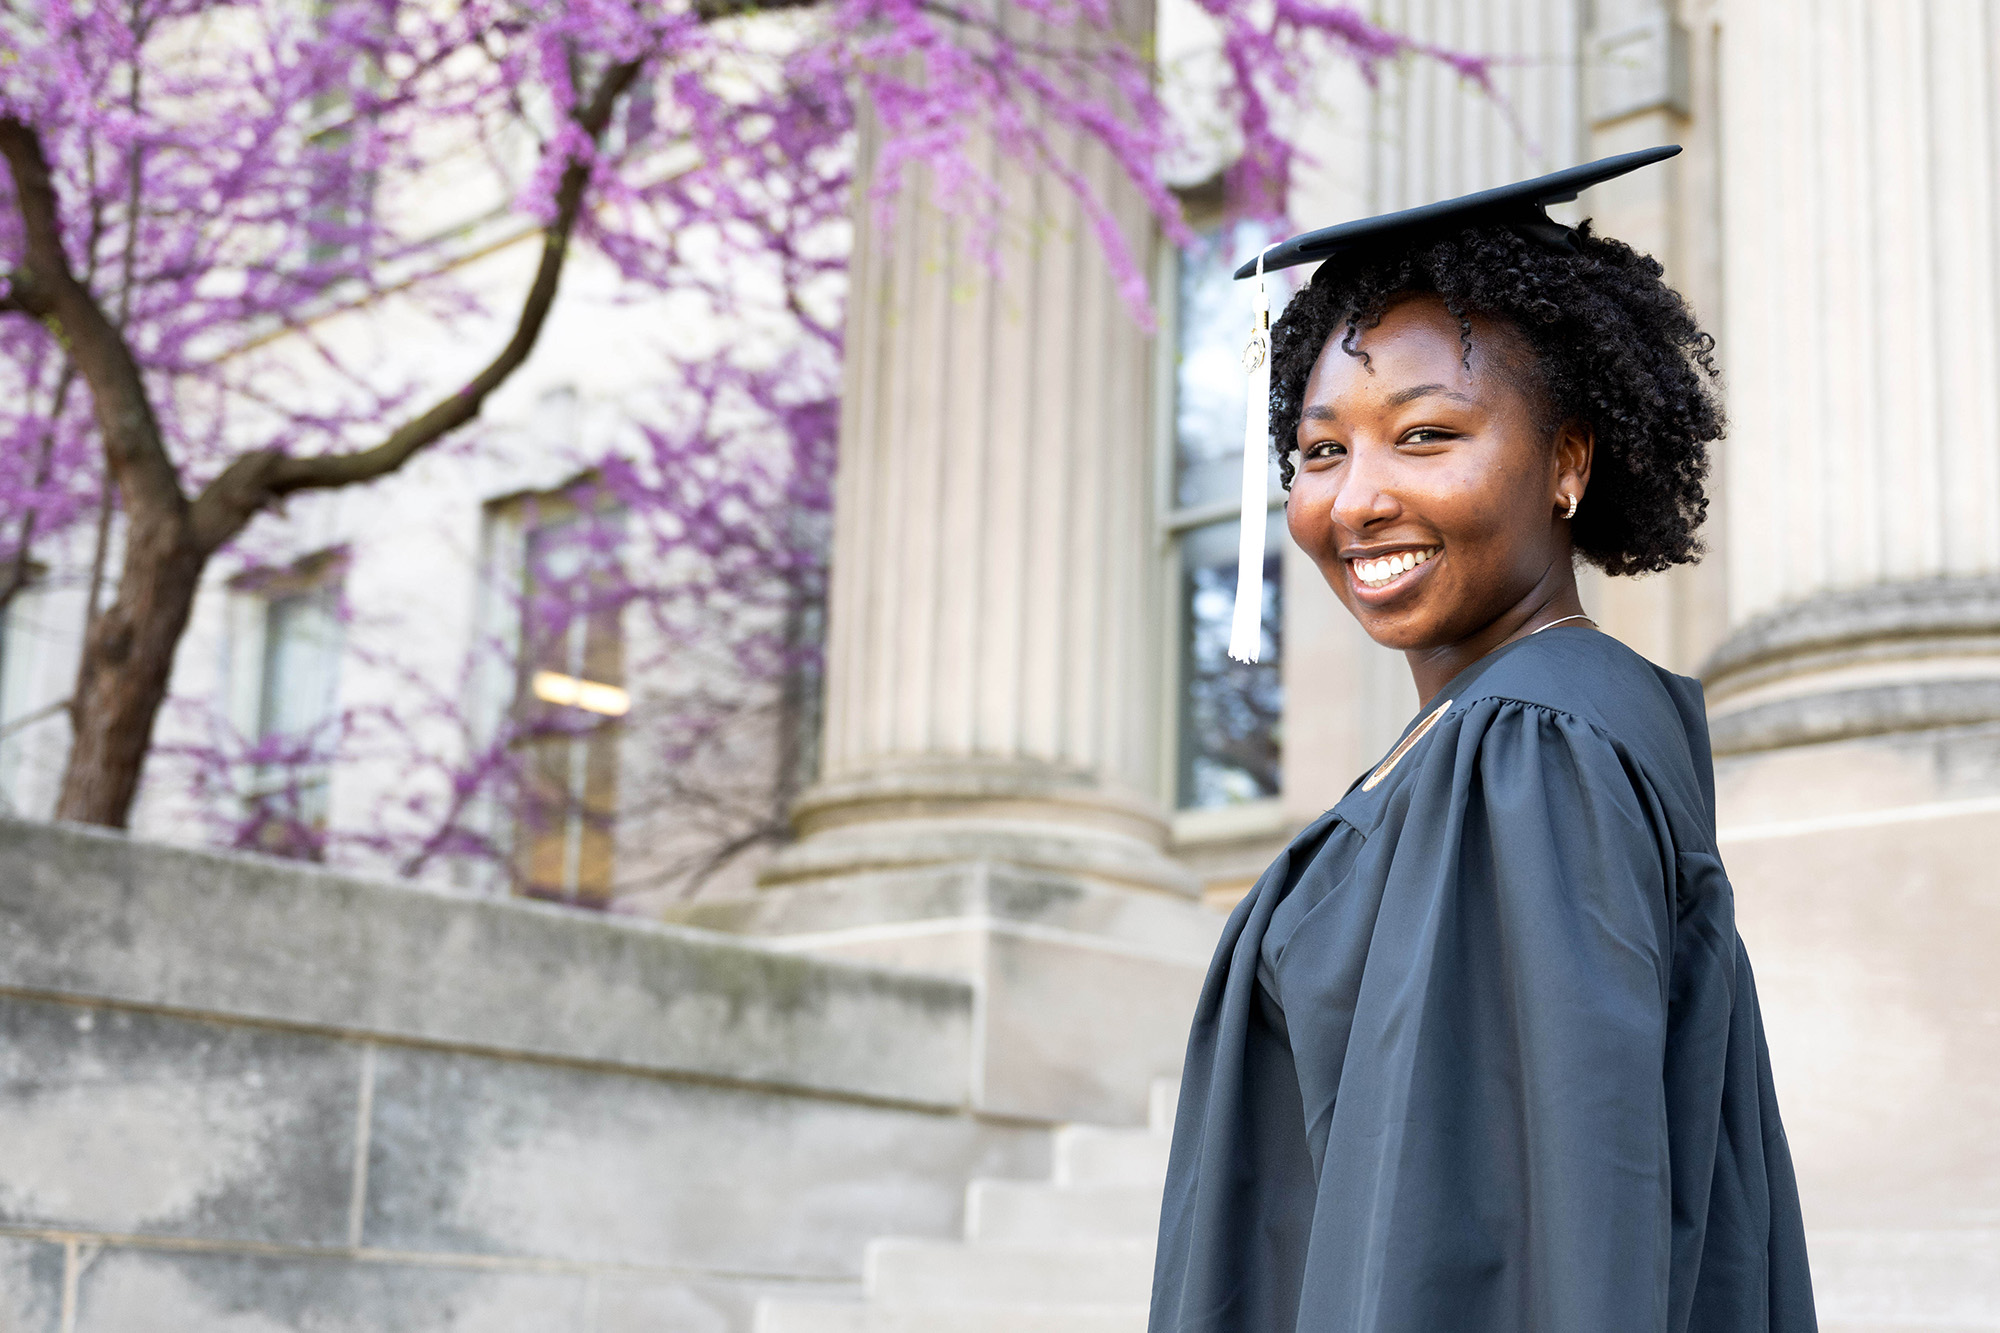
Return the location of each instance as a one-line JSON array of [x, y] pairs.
[[1415, 392], [1324, 412]]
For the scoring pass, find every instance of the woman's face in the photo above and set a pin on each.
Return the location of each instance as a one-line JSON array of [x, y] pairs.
[[1428, 491]]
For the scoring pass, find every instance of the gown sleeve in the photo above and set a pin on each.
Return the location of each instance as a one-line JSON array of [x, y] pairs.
[[1486, 1114]]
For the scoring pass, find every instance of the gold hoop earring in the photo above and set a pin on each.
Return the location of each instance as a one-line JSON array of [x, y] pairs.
[[1572, 507]]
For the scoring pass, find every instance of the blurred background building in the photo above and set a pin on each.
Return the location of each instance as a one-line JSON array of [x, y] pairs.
[[1028, 764]]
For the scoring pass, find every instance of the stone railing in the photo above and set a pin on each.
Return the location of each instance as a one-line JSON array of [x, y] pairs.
[[234, 1089]]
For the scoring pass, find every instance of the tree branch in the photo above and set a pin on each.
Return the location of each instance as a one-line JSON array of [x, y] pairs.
[[710, 11], [255, 479], [23, 569], [29, 719], [45, 286], [15, 293]]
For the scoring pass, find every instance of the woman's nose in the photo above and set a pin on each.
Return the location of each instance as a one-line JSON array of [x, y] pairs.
[[1361, 500]]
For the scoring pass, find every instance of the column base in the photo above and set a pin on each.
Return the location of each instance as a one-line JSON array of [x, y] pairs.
[[1870, 661], [1085, 991], [1862, 872], [1857, 736], [1040, 816]]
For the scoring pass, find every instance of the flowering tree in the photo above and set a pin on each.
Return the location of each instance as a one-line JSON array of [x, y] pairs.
[[194, 189], [703, 536]]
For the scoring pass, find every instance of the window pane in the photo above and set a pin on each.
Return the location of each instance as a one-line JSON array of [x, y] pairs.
[[1213, 324], [297, 695], [572, 626], [1231, 712], [301, 663]]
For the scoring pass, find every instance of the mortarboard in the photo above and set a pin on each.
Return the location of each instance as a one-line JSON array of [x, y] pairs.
[[1520, 206]]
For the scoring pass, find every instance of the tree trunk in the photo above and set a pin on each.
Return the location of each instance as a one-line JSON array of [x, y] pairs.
[[128, 656], [128, 652]]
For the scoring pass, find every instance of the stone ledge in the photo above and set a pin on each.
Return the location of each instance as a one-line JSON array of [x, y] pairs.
[[1849, 714], [92, 914], [1002, 894], [1037, 846], [918, 786], [1927, 608]]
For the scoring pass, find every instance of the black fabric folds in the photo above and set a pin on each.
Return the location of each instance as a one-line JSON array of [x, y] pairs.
[[1481, 1050]]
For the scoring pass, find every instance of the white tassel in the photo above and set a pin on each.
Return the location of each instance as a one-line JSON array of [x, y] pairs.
[[1246, 626]]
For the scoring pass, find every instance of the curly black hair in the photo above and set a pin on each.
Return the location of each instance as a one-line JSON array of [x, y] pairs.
[[1612, 345]]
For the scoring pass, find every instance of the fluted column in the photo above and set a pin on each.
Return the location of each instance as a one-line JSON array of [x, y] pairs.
[[993, 664], [1863, 325], [1855, 706]]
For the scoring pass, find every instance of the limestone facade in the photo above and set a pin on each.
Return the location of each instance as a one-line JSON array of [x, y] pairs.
[[1831, 220]]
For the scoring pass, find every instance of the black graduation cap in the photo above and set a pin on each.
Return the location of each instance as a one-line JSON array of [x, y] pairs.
[[1519, 205]]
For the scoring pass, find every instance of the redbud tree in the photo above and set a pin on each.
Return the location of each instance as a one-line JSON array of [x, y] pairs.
[[189, 188]]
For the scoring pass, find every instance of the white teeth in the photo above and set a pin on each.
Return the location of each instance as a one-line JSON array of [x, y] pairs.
[[1378, 572]]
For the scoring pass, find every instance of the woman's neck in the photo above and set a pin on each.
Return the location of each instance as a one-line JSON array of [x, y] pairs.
[[1553, 598]]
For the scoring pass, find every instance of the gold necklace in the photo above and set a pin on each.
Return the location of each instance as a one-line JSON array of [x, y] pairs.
[[1553, 623]]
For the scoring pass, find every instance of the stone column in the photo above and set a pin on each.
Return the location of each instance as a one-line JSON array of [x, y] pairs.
[[989, 795], [1856, 703], [1649, 77], [992, 686], [1863, 330]]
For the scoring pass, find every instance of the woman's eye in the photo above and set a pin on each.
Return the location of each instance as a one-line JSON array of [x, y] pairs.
[[1426, 435], [1324, 449]]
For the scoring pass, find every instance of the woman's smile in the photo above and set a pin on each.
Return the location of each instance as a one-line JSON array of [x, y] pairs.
[[1383, 574]]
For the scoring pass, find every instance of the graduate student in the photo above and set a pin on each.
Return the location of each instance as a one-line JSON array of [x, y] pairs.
[[1481, 1053]]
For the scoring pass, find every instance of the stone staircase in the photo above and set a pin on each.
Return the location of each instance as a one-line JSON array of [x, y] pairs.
[[1073, 1254]]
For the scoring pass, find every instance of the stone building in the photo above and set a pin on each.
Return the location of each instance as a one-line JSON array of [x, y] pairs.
[[1038, 775], [1034, 549]]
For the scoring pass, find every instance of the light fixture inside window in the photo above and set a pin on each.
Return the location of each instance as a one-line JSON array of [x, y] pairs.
[[592, 696]]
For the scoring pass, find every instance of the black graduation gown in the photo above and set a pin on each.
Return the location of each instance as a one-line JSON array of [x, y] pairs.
[[1481, 1053]]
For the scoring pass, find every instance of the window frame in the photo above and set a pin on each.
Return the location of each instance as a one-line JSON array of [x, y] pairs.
[[254, 596], [1173, 522], [502, 688]]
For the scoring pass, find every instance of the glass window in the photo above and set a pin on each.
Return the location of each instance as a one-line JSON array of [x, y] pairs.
[[1229, 739], [569, 704], [301, 663], [297, 699], [1212, 324], [18, 708], [1232, 712]]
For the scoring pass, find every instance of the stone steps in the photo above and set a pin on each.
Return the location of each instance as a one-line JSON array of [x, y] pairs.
[[943, 1272], [857, 1317], [1092, 1155], [1073, 1254], [1021, 1212]]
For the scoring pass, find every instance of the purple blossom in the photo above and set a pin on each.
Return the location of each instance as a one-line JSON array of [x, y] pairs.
[[231, 173]]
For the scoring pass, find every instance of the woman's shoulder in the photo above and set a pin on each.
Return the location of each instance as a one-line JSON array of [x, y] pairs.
[[1591, 676], [1612, 707]]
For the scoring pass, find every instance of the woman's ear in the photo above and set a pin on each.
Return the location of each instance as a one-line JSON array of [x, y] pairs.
[[1574, 445]]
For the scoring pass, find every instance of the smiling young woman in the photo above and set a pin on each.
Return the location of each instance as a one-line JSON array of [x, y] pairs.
[[1481, 1051], [1431, 489]]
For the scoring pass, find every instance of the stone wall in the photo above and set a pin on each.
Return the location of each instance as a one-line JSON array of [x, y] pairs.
[[1865, 890], [247, 1096]]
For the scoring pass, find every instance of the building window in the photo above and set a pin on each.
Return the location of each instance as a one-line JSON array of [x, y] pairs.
[[301, 662], [294, 639], [1229, 737], [20, 709], [569, 700]]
